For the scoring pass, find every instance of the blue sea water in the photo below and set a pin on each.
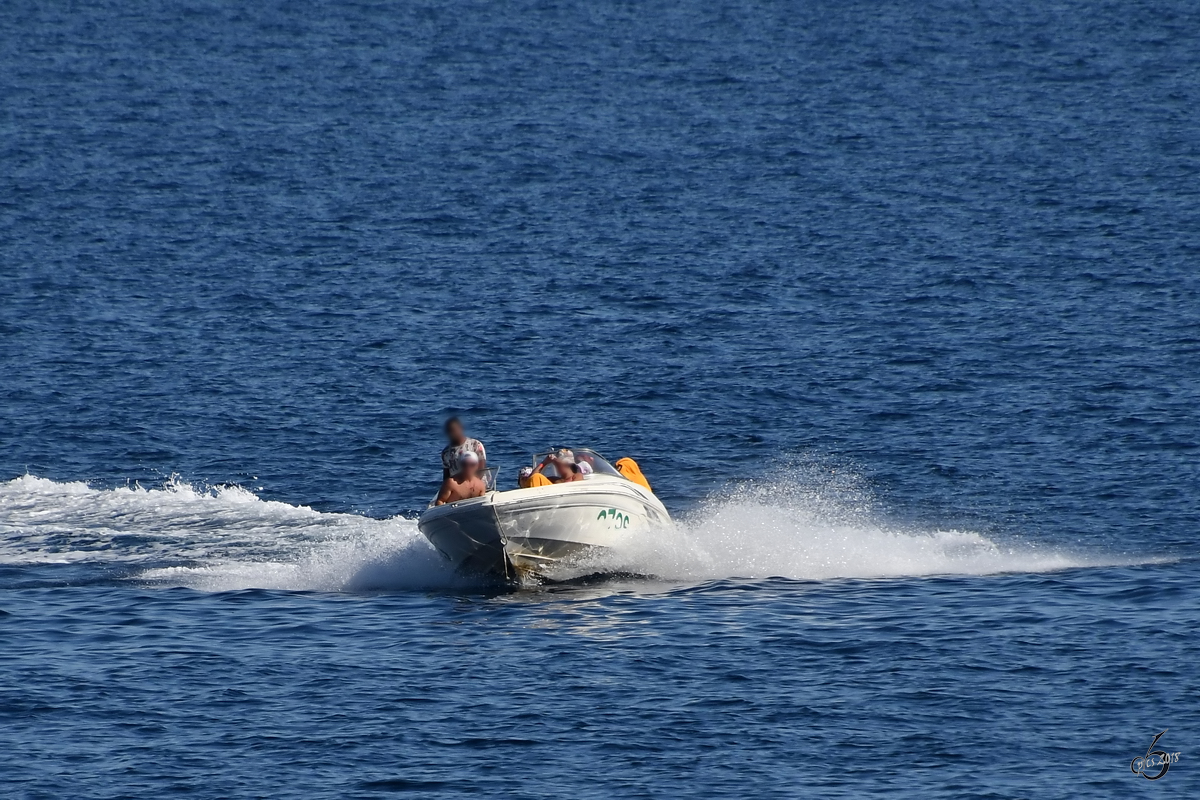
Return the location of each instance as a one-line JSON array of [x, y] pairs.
[[897, 305]]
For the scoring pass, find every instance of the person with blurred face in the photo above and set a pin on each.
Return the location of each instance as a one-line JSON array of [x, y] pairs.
[[465, 484], [563, 462], [524, 477], [460, 444]]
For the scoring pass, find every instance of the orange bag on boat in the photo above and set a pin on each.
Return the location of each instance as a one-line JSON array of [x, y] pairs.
[[629, 468]]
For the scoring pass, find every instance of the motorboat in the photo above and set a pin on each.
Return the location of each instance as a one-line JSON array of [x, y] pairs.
[[507, 534]]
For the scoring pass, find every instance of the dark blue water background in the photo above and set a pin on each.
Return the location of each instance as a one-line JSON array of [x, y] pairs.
[[898, 306]]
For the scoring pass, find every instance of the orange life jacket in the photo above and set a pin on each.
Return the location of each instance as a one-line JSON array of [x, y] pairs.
[[629, 468]]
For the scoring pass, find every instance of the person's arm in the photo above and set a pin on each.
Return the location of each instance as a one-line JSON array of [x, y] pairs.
[[558, 478], [482, 456], [445, 493]]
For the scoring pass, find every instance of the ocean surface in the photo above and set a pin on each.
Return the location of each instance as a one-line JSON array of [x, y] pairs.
[[896, 304]]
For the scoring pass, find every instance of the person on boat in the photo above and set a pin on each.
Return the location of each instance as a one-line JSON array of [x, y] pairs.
[[524, 474], [528, 479], [465, 484], [563, 462], [460, 444]]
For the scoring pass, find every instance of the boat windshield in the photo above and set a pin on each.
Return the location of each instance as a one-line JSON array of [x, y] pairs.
[[489, 478], [583, 454]]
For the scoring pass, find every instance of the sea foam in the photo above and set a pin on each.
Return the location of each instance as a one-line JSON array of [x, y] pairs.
[[226, 537]]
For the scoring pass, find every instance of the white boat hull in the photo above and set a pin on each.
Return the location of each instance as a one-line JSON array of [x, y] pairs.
[[505, 534]]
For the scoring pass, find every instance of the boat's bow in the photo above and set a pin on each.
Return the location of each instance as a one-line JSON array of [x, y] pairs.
[[468, 534]]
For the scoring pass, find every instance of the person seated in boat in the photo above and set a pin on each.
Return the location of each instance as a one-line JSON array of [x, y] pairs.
[[528, 479], [465, 483], [563, 462], [460, 444]]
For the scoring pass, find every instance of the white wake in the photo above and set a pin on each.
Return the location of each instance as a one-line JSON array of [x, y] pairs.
[[226, 538], [791, 530]]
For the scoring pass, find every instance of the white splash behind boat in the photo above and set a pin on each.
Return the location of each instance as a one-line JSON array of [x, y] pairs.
[[527, 530]]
